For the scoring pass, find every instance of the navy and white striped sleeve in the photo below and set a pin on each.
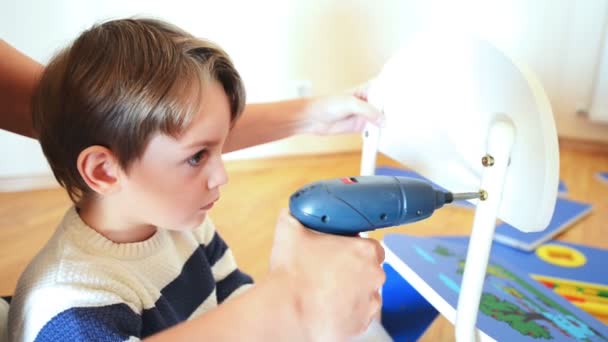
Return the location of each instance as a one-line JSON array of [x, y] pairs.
[[228, 278], [115, 322], [74, 313]]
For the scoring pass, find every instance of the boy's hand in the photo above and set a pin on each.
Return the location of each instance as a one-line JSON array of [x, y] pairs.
[[334, 279]]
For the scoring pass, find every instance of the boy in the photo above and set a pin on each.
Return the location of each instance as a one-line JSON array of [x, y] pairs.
[[132, 118]]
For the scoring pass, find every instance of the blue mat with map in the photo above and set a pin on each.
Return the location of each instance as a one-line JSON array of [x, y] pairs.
[[513, 307]]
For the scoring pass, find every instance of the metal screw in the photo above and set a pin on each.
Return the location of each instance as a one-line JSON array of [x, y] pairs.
[[483, 195], [487, 160], [419, 212]]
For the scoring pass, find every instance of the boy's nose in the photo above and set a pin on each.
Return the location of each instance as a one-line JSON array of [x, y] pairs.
[[218, 176]]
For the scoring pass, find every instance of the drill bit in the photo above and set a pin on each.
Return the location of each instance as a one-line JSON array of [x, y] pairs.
[[466, 195], [451, 197]]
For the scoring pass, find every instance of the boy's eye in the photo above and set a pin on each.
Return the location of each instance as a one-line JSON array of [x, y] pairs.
[[195, 160]]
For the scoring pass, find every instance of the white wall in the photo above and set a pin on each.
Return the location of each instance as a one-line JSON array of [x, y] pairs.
[[334, 44], [598, 110], [560, 40]]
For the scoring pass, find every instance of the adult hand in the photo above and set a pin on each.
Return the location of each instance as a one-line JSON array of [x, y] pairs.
[[334, 279], [341, 113]]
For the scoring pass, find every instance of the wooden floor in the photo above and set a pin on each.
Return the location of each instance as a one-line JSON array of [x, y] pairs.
[[258, 189]]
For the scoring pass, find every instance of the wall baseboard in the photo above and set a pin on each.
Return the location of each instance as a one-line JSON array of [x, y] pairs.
[[28, 182], [584, 144]]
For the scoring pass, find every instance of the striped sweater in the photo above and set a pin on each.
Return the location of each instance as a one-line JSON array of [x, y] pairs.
[[84, 287]]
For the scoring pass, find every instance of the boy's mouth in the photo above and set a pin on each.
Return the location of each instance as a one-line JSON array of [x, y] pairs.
[[210, 205]]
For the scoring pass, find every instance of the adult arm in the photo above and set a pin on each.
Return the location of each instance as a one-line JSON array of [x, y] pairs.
[[260, 123], [265, 312], [19, 76], [266, 122]]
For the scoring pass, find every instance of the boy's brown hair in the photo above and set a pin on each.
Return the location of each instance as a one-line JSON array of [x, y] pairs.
[[117, 85]]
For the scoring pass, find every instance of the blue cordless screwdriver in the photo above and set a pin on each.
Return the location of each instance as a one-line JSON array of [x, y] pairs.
[[351, 205]]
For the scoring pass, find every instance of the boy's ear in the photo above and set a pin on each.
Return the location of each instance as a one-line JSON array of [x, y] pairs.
[[100, 169]]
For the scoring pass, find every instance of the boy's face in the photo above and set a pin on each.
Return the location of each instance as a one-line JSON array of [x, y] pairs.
[[176, 181]]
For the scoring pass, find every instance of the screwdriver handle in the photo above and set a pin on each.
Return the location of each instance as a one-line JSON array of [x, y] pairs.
[[351, 205]]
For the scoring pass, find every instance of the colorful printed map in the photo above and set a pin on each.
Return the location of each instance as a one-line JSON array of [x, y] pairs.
[[513, 307]]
